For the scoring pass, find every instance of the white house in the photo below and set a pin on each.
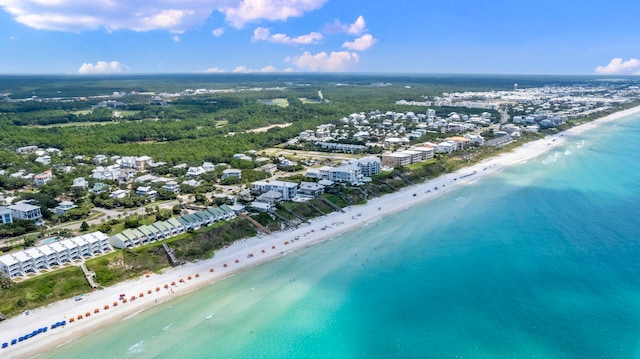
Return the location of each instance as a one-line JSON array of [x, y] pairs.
[[208, 166], [475, 139], [311, 189], [63, 207], [5, 215], [287, 189], [120, 193], [369, 165], [347, 173], [231, 172], [171, 186], [146, 191], [43, 178], [195, 171], [45, 160], [445, 147], [80, 182], [25, 211], [319, 173]]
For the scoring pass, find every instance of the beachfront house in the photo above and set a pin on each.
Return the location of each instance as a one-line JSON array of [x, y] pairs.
[[288, 190], [351, 174], [445, 147], [370, 166], [311, 189]]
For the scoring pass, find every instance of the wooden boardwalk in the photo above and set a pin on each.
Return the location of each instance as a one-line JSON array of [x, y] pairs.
[[255, 223]]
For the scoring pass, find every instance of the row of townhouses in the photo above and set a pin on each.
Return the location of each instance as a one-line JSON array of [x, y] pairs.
[[22, 263], [164, 229]]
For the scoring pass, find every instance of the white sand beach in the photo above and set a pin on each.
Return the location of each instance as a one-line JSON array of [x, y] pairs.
[[245, 254]]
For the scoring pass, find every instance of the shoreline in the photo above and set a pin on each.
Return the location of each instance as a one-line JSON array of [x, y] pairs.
[[248, 253]]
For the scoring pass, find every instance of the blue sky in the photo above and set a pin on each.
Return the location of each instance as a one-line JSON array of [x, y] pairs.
[[410, 36]]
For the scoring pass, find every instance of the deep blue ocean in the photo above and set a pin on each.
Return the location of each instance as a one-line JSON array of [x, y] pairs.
[[539, 261]]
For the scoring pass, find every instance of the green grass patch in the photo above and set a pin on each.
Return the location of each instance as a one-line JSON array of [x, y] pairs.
[[336, 200], [280, 102], [125, 113], [308, 101], [81, 112], [221, 123], [43, 290], [76, 124]]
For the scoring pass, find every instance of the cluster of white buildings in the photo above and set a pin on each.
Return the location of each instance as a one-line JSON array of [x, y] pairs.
[[387, 128], [415, 154], [57, 253], [124, 169], [546, 106], [425, 151], [354, 171], [47, 256], [543, 118]]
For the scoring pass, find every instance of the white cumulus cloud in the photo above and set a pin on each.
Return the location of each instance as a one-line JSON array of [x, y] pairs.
[[217, 32], [243, 70], [357, 28], [360, 44], [80, 15], [214, 70], [176, 16], [268, 69], [322, 61], [264, 34], [246, 70], [618, 66], [255, 10], [103, 67]]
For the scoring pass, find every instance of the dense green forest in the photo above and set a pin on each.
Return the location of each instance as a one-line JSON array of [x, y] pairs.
[[212, 125], [194, 128]]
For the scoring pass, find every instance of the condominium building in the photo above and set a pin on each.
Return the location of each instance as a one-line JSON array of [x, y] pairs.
[[47, 256]]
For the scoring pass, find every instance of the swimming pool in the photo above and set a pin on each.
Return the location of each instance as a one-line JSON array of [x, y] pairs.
[[50, 240]]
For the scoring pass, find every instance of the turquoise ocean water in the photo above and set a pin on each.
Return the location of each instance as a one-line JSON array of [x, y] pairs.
[[539, 261]]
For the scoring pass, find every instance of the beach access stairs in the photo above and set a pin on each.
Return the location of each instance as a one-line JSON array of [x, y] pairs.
[[304, 220], [285, 220], [316, 209], [404, 178], [170, 254], [255, 223], [332, 205], [90, 276]]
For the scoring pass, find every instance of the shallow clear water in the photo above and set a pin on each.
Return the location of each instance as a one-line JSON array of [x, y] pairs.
[[540, 261]]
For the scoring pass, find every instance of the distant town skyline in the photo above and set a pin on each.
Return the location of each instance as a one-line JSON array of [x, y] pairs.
[[267, 36]]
